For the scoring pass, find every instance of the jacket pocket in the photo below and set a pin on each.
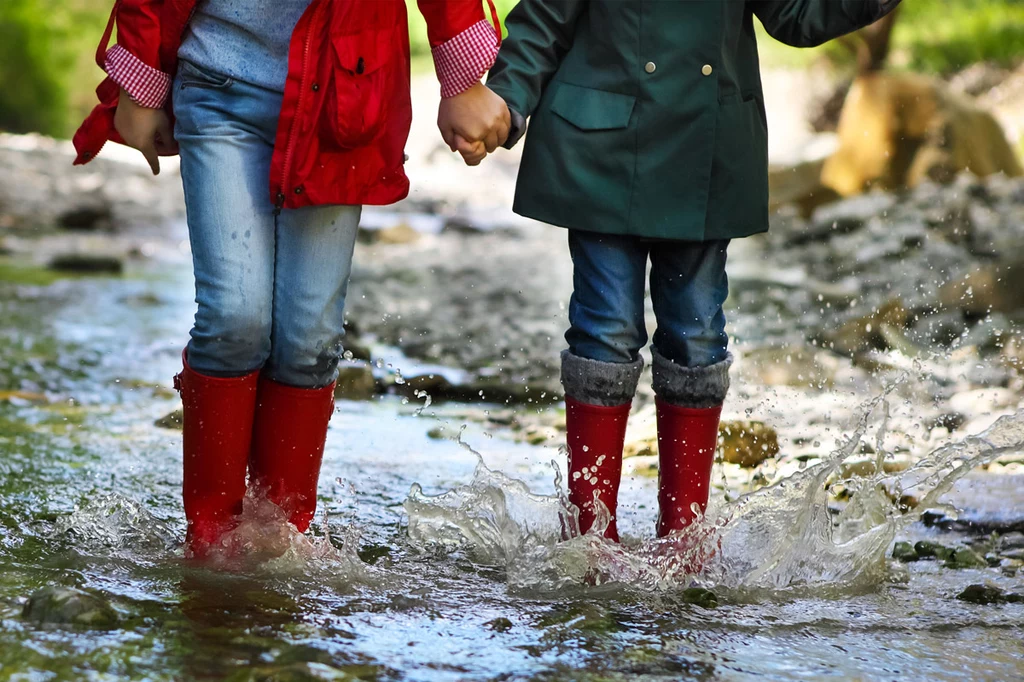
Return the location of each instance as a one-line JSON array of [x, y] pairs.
[[192, 76], [590, 109], [358, 99]]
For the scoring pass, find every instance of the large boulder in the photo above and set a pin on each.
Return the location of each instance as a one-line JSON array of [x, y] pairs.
[[899, 129]]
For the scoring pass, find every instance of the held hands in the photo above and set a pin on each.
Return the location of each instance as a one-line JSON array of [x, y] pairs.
[[145, 129], [474, 123]]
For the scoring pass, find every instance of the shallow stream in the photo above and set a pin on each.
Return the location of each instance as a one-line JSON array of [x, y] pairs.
[[464, 579]]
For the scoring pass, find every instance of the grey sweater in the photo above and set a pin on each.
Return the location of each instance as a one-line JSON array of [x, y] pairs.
[[245, 39]]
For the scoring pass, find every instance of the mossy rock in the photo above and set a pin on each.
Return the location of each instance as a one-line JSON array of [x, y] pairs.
[[989, 594], [175, 420], [965, 557], [69, 606], [700, 597], [905, 552], [499, 625], [747, 443], [928, 549], [355, 382], [87, 263]]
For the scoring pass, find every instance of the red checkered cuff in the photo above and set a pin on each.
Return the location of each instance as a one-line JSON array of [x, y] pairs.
[[462, 61], [148, 87]]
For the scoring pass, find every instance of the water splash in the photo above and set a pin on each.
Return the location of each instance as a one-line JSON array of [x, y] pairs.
[[111, 521], [263, 542], [790, 536]]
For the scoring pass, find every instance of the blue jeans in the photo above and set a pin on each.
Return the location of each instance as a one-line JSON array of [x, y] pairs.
[[688, 288], [271, 288]]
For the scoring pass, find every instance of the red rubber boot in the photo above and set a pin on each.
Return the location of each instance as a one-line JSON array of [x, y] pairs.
[[595, 435], [288, 446], [217, 420], [687, 438]]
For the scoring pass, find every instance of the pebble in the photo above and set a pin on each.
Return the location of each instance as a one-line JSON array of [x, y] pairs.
[[747, 443], [355, 382], [989, 594]]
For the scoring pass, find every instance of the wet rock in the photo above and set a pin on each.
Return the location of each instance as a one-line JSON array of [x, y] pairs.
[[863, 468], [951, 421], [865, 333], [69, 606], [461, 225], [983, 400], [925, 548], [904, 551], [499, 625], [700, 597], [850, 214], [440, 433], [797, 366], [402, 233], [434, 384], [372, 553], [989, 288], [800, 185], [1013, 554], [87, 263], [747, 443], [303, 672], [1013, 540], [497, 390], [988, 594], [355, 382], [900, 129], [86, 218], [965, 557], [173, 420], [357, 351]]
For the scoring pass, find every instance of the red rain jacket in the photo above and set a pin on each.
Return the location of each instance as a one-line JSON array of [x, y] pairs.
[[346, 112]]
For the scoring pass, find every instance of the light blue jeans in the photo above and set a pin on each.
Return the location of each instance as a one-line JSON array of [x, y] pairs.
[[688, 289], [270, 289]]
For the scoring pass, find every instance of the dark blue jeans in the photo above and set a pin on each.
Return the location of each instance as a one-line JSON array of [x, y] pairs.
[[688, 288]]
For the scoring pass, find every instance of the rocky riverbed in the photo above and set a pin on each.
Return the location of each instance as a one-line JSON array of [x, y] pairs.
[[875, 339]]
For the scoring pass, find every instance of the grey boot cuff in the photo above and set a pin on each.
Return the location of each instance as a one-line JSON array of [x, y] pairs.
[[690, 386], [599, 383]]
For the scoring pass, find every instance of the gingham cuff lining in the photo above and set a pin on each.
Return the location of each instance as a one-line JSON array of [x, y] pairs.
[[462, 61], [148, 87]]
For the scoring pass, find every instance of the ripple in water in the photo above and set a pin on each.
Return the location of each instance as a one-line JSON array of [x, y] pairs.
[[790, 536]]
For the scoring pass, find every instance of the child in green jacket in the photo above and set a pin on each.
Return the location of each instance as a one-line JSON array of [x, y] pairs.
[[648, 140]]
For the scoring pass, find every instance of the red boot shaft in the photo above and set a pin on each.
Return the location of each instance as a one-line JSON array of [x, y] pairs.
[[288, 446], [687, 438], [595, 436], [217, 420]]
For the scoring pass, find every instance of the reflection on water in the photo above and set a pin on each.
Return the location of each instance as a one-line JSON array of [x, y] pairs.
[[475, 583]]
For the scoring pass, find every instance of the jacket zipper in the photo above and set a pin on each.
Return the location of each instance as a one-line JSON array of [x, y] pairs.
[[294, 131]]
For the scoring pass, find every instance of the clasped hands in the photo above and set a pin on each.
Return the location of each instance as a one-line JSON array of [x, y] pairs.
[[474, 123]]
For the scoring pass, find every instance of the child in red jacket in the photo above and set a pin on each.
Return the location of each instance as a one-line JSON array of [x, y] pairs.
[[288, 116]]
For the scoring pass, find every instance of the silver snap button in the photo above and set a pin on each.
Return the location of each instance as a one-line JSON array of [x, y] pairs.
[[650, 67], [706, 70]]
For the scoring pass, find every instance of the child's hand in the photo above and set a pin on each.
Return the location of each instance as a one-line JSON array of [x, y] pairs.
[[475, 115], [472, 152], [145, 129]]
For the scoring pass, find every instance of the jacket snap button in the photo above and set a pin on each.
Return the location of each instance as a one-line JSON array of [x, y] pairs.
[[298, 190], [706, 70], [650, 67], [316, 87]]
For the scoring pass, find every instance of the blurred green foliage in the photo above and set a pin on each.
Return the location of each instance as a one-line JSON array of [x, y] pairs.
[[47, 72], [942, 36], [932, 36], [47, 69]]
